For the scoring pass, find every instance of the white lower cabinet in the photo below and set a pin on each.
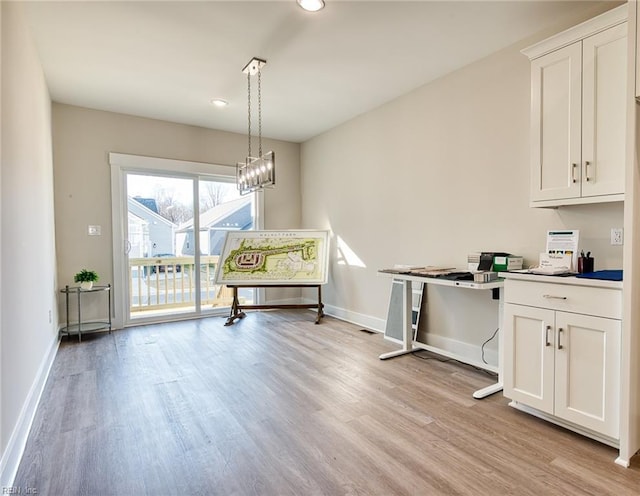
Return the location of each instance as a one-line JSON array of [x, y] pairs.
[[564, 364]]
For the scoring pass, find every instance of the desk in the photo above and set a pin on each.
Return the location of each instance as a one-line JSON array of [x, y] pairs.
[[408, 343]]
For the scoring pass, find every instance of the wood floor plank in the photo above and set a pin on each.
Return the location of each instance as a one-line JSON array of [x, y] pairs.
[[275, 405]]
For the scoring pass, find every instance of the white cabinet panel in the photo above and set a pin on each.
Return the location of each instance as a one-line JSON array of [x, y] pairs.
[[588, 371], [604, 77], [602, 302], [555, 124], [528, 357]]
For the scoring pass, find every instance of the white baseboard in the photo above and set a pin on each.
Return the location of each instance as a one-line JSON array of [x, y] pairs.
[[460, 348], [359, 319], [286, 301], [18, 440], [472, 351]]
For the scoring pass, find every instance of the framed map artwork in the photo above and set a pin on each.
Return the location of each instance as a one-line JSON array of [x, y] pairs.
[[257, 258]]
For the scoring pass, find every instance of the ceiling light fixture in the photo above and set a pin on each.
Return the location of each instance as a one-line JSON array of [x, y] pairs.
[[255, 173], [311, 5], [219, 102]]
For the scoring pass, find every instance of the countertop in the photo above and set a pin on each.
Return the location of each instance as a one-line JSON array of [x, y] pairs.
[[572, 280]]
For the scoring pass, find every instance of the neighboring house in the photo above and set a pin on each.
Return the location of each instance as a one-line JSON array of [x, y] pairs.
[[138, 231], [150, 234], [234, 215]]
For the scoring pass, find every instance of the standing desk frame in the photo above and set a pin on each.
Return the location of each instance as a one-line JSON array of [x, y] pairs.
[[409, 345]]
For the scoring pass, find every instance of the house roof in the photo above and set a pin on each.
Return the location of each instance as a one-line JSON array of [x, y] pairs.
[[150, 203], [216, 216], [141, 210]]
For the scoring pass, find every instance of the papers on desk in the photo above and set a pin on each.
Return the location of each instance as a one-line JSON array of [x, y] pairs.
[[562, 249], [402, 267], [418, 270], [431, 271], [561, 256]]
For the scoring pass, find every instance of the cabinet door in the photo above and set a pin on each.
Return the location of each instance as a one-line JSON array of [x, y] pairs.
[[555, 124], [528, 355], [588, 371], [604, 76]]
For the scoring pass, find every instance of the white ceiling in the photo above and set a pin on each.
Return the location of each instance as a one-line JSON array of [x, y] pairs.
[[167, 60]]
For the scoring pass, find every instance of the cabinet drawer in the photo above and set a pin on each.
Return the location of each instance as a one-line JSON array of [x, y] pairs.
[[601, 302]]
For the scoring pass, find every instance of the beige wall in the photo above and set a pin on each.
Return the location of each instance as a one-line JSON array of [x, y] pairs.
[[82, 140], [430, 177], [27, 263]]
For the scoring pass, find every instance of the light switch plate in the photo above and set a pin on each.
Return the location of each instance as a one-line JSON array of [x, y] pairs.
[[95, 230]]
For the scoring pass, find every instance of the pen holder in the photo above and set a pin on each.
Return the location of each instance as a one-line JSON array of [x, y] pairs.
[[585, 265]]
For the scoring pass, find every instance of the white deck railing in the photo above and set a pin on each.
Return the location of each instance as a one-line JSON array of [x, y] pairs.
[[169, 282]]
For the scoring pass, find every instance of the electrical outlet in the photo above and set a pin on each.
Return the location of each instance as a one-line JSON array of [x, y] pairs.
[[616, 236]]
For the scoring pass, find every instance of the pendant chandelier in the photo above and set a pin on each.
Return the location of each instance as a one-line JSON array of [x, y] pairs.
[[259, 172]]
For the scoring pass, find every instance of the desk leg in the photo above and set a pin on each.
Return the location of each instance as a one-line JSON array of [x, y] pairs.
[[496, 388], [487, 391], [407, 318]]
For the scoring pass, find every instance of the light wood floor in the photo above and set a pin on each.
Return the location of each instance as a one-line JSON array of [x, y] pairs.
[[275, 405]]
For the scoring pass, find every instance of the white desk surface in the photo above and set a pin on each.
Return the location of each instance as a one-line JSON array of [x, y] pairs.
[[442, 281]]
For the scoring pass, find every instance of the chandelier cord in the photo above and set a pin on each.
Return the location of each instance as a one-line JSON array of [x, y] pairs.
[[249, 108], [259, 112], [256, 172]]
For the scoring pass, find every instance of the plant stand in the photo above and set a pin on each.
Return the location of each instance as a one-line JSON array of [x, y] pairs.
[[80, 326]]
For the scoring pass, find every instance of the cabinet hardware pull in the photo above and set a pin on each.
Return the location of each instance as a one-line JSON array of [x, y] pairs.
[[559, 343], [586, 170], [573, 172], [553, 297], [546, 336]]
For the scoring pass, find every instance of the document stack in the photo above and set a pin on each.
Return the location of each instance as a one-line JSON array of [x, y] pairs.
[[485, 276], [473, 261]]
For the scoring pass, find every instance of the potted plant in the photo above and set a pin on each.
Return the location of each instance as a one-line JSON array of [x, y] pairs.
[[86, 278]]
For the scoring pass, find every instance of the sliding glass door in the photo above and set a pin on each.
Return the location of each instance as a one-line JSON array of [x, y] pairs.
[[160, 273], [173, 227]]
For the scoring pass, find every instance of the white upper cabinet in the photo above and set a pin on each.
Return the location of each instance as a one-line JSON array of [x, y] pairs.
[[556, 125], [578, 113], [604, 83]]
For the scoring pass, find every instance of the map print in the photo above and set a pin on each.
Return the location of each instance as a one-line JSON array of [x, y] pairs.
[[274, 257]]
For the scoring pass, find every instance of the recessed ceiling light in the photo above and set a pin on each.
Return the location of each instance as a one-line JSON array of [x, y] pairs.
[[311, 5], [219, 102]]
